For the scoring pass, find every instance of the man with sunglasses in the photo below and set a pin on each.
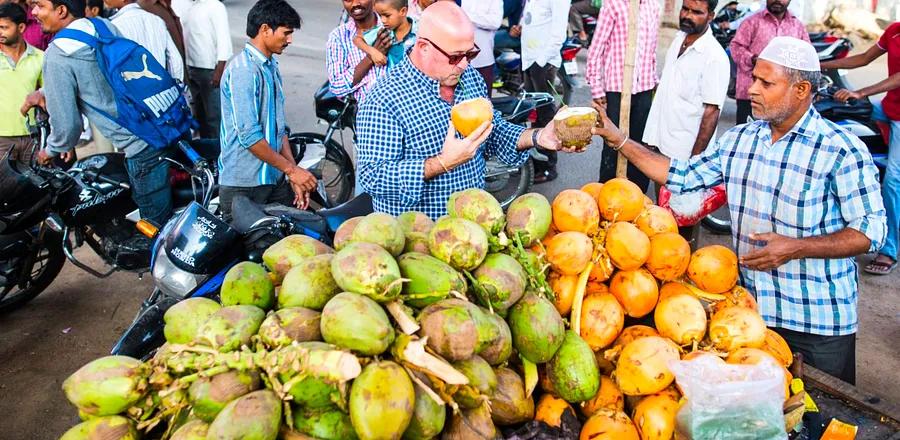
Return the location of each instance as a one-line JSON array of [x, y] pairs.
[[410, 158]]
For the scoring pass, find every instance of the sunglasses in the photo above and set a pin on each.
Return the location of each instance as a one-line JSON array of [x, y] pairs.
[[454, 59]]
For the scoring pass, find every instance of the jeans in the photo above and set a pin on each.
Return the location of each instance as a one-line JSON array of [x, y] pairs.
[[150, 187], [282, 193], [890, 187], [640, 109], [502, 40], [206, 102], [540, 79]]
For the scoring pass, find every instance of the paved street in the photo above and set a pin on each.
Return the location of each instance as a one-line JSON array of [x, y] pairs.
[[79, 317]]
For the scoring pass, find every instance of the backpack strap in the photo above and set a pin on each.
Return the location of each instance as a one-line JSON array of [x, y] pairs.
[[101, 28], [77, 35]]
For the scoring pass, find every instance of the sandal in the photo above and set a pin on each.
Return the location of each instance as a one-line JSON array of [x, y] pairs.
[[880, 267]]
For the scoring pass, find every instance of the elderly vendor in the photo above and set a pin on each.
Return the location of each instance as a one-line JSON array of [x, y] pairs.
[[409, 155], [804, 198]]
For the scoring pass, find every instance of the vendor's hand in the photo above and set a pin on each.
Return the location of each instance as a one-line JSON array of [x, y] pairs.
[[844, 95], [515, 31], [456, 152], [600, 102], [301, 200], [777, 251], [301, 180], [34, 99], [609, 132]]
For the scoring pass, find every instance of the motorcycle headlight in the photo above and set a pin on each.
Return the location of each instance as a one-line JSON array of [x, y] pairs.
[[171, 280]]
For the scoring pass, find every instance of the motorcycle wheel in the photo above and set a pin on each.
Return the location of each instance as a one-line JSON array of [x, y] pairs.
[[717, 225], [506, 186], [335, 170], [48, 262]]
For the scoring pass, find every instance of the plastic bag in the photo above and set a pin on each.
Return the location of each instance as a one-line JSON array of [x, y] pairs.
[[690, 208], [730, 402]]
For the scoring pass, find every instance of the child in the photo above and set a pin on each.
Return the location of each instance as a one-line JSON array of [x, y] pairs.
[[93, 8], [402, 29]]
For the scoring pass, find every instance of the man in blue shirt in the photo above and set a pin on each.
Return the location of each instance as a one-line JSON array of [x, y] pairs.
[[256, 158], [409, 156], [804, 199]]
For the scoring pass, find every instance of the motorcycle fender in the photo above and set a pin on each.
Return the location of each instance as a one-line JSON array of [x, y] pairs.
[[13, 245], [145, 334]]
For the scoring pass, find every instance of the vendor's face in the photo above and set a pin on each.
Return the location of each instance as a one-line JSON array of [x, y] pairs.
[[437, 64], [777, 6], [359, 10], [773, 95], [278, 40], [694, 16]]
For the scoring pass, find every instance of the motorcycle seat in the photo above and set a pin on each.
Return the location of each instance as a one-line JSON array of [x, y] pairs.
[[245, 213], [355, 207]]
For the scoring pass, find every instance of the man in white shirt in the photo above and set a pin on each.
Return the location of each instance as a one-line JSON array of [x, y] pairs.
[[690, 95], [487, 16], [544, 25], [149, 31], [208, 44]]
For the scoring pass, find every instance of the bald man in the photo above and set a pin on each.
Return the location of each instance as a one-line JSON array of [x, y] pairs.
[[410, 157]]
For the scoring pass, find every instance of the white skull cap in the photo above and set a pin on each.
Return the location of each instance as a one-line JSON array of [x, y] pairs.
[[792, 53]]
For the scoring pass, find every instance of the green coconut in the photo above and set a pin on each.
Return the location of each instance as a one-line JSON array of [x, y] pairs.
[[479, 206], [209, 395], [308, 284], [573, 371], [428, 416], [458, 242], [574, 125], [253, 416], [103, 428], [290, 251], [509, 404], [529, 217], [345, 231], [498, 348], [324, 424], [381, 229], [231, 327], [482, 382], [192, 430], [502, 281], [416, 226], [107, 386], [357, 323], [248, 283], [382, 400], [184, 319], [450, 329], [313, 392], [537, 328], [367, 269], [430, 279], [285, 326]]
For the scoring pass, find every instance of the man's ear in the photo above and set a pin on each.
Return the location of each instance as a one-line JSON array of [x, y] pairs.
[[804, 89]]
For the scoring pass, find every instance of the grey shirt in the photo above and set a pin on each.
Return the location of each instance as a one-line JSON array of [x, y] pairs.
[[72, 80]]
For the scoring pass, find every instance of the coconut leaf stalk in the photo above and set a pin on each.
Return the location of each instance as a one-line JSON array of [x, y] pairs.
[[534, 266]]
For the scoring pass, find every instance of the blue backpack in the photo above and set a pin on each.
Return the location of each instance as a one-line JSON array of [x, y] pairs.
[[149, 103]]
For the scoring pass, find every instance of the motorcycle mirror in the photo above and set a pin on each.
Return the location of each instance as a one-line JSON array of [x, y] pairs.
[[147, 228]]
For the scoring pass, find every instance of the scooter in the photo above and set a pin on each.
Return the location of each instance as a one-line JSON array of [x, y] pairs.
[[511, 81]]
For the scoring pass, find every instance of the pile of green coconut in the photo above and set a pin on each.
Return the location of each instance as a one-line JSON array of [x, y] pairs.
[[409, 328]]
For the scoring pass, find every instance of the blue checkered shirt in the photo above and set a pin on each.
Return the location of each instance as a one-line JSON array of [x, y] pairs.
[[816, 180], [402, 123]]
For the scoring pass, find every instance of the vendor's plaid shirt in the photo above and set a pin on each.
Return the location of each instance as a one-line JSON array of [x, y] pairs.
[[816, 180], [402, 123]]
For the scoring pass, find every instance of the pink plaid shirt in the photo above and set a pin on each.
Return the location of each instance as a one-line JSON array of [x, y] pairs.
[[753, 36], [341, 58], [606, 57]]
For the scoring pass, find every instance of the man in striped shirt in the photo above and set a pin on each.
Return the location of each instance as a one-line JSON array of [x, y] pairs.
[[604, 72], [256, 159], [350, 71], [804, 200]]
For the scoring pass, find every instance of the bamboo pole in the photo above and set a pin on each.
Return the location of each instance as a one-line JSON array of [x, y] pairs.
[[627, 81]]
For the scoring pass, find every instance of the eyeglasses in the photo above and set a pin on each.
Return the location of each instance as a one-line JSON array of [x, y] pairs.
[[454, 59]]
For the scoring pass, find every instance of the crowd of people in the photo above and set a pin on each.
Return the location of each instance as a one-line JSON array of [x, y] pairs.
[[804, 195]]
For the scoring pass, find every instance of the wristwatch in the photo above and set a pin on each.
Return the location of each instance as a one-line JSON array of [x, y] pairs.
[[534, 137]]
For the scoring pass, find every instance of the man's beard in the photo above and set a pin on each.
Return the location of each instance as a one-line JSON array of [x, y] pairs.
[[776, 8], [10, 41], [689, 27], [775, 113]]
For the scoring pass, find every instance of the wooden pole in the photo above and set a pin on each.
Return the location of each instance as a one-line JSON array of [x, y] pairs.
[[627, 80]]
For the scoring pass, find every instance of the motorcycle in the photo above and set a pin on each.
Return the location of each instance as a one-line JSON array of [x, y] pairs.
[[194, 251], [511, 81], [48, 213]]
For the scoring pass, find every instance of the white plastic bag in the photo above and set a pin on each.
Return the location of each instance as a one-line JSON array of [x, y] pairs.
[[730, 402]]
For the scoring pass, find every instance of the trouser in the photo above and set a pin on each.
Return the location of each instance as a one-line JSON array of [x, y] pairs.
[[502, 40], [835, 355], [150, 187], [540, 79], [890, 188], [640, 108], [206, 101], [17, 147], [743, 111], [487, 72], [280, 193], [579, 8]]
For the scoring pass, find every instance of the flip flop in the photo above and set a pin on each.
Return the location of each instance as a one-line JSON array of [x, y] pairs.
[[880, 268]]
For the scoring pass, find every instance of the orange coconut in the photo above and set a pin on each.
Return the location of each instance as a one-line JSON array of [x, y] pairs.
[[550, 410], [564, 287], [608, 396], [592, 188], [575, 210], [643, 367], [736, 327], [636, 290], [669, 256], [569, 252], [713, 269], [602, 319], [469, 115], [681, 318], [776, 346], [620, 200], [753, 356], [672, 288], [654, 415], [633, 332], [609, 425], [627, 246], [737, 296], [656, 220]]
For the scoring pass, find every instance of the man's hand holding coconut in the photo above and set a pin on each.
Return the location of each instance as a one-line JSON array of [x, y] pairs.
[[410, 155]]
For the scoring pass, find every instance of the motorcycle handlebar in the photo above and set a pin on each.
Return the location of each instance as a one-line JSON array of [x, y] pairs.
[[191, 154]]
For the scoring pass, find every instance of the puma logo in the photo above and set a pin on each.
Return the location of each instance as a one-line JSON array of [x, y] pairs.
[[146, 73]]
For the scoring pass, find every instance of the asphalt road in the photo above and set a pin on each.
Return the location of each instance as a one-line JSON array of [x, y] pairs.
[[79, 317]]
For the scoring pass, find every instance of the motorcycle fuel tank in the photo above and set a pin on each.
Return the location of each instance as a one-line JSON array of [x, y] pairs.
[[91, 201], [199, 242]]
